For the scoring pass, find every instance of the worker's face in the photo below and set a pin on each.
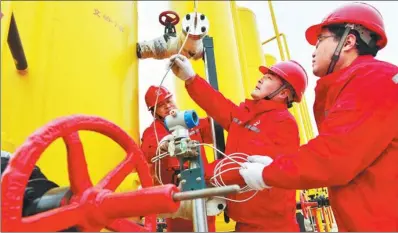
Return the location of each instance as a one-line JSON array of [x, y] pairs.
[[266, 86], [163, 108], [324, 49]]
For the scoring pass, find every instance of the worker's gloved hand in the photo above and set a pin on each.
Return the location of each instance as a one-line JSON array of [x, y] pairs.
[[252, 171], [164, 143], [263, 159], [182, 67]]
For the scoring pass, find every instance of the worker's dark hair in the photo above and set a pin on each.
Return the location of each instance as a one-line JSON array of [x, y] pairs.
[[361, 46], [291, 89]]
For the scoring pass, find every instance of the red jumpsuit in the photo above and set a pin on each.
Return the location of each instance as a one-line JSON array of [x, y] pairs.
[[256, 128], [356, 151], [201, 133]]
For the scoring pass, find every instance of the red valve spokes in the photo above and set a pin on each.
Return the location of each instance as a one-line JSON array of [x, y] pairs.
[[81, 209], [169, 17], [79, 181]]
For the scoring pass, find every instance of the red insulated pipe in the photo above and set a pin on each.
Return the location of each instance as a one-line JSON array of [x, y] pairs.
[[147, 201]]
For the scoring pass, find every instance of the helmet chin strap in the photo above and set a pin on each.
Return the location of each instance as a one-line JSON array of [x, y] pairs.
[[337, 51], [273, 94]]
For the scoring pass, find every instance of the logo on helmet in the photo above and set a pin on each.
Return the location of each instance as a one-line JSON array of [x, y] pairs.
[[158, 91]]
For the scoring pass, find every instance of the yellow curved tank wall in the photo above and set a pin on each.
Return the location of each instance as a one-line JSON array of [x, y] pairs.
[[269, 59], [240, 43], [6, 11], [251, 48], [81, 60], [227, 62]]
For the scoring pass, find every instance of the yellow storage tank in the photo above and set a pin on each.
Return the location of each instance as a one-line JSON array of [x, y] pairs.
[[269, 60], [227, 62], [250, 46], [5, 21], [81, 60]]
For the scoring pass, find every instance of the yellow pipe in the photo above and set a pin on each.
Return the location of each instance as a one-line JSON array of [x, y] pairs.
[[269, 60], [241, 45], [318, 219], [327, 219], [276, 30], [250, 45], [269, 40], [83, 63], [311, 130]]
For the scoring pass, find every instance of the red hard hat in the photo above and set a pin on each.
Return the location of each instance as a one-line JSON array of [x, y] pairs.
[[354, 13], [293, 73], [152, 92]]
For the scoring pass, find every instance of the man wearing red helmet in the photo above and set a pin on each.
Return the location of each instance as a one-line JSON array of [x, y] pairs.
[[356, 110], [259, 126], [169, 168]]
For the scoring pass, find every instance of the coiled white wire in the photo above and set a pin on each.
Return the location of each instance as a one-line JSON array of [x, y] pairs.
[[218, 171]]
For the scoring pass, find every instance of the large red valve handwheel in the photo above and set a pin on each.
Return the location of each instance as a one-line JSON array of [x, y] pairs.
[[171, 17], [90, 208]]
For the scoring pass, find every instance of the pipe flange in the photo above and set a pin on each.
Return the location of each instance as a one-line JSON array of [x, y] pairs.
[[202, 25]]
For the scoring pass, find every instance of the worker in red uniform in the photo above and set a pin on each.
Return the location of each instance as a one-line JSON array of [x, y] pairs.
[[170, 165], [356, 109], [259, 126]]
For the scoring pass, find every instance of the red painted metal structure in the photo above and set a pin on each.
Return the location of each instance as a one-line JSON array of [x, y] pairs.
[[91, 207]]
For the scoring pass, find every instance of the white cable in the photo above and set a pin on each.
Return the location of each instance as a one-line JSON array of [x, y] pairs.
[[168, 69], [221, 164], [158, 168], [210, 145], [158, 173]]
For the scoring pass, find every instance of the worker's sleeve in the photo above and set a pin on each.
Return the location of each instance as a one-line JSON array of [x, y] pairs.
[[149, 143], [205, 130], [358, 128], [212, 101]]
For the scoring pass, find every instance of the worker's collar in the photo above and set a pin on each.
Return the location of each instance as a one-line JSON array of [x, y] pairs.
[[262, 105], [331, 78]]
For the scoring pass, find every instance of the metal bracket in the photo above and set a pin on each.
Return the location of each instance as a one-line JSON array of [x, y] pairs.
[[211, 74], [15, 44]]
